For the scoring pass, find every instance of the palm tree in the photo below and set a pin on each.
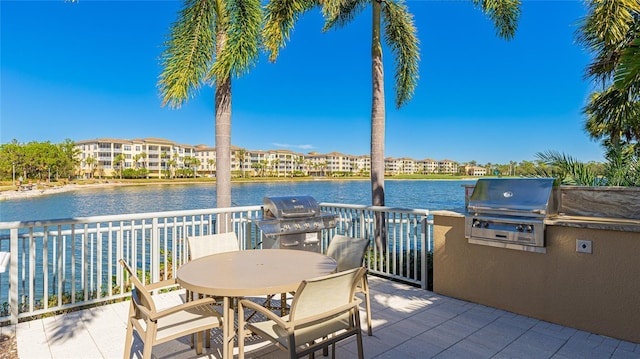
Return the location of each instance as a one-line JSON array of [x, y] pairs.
[[194, 163], [400, 36], [610, 32], [211, 41], [211, 163], [119, 160], [275, 164], [241, 156], [163, 157], [135, 159], [91, 162], [171, 163]]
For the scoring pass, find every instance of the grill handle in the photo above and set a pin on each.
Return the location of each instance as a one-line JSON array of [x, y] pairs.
[[291, 244], [296, 215]]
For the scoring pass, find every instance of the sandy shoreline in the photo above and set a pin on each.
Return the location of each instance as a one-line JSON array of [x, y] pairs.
[[43, 191]]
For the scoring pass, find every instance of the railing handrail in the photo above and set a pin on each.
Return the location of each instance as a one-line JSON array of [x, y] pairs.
[[418, 211], [124, 217]]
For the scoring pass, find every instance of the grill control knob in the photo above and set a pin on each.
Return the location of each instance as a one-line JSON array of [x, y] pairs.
[[296, 226], [520, 228], [306, 225], [475, 223], [529, 228], [485, 224]]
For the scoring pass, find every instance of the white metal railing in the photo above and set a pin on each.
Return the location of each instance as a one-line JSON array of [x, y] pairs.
[[60, 264]]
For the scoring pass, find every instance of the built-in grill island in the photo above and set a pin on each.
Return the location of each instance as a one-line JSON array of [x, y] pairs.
[[510, 213], [293, 222]]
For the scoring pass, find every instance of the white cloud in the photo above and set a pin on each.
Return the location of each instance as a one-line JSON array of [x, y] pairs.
[[286, 145]]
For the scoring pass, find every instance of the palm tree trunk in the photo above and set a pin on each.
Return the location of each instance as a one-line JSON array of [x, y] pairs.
[[377, 127], [223, 144]]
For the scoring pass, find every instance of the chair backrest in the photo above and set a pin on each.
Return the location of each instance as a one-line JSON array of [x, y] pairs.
[[323, 294], [348, 252], [139, 294], [200, 246]]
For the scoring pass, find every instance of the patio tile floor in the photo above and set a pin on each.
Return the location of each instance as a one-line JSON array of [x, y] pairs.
[[408, 323]]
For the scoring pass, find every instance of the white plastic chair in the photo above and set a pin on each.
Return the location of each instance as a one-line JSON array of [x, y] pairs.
[[349, 253], [324, 311]]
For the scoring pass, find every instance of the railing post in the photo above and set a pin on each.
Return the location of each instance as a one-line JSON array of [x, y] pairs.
[[155, 251], [424, 247], [13, 277]]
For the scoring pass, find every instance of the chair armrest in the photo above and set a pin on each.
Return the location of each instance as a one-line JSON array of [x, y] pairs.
[[262, 310], [181, 307], [162, 284]]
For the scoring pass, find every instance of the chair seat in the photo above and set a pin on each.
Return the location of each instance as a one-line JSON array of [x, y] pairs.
[[303, 335], [191, 320], [324, 311]]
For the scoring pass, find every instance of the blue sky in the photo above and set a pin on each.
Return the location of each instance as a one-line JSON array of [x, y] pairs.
[[89, 69]]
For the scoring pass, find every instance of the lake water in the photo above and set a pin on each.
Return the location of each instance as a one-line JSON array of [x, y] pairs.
[[431, 195]]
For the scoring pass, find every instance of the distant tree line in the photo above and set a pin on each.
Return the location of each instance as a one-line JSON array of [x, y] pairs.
[[38, 160]]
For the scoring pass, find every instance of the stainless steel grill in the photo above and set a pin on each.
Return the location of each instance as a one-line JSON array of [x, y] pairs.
[[294, 222], [507, 212]]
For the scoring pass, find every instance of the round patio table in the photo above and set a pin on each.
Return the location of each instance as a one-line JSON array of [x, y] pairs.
[[250, 273]]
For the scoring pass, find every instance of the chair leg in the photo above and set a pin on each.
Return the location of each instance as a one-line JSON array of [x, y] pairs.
[[128, 341], [241, 335], [356, 321], [148, 340], [199, 342], [367, 299], [359, 342]]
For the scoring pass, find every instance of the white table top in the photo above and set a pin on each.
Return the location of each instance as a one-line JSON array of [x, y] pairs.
[[253, 272]]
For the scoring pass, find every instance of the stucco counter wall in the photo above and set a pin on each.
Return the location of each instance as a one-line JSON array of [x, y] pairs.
[[598, 292]]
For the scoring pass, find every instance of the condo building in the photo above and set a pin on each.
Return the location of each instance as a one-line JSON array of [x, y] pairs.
[[162, 158]]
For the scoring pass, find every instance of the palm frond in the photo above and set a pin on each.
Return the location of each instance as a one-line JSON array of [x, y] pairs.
[[628, 72], [280, 17], [613, 114], [400, 36], [241, 47], [569, 170], [605, 31], [622, 167], [188, 54], [503, 13], [338, 13]]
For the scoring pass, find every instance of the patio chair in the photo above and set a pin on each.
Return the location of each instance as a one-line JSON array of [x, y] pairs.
[[349, 253], [158, 326], [200, 246], [324, 311]]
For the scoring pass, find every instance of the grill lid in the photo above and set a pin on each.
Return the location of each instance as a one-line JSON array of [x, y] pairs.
[[290, 207], [511, 196]]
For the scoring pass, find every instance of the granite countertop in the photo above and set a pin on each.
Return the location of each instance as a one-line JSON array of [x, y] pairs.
[[614, 224], [593, 222]]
